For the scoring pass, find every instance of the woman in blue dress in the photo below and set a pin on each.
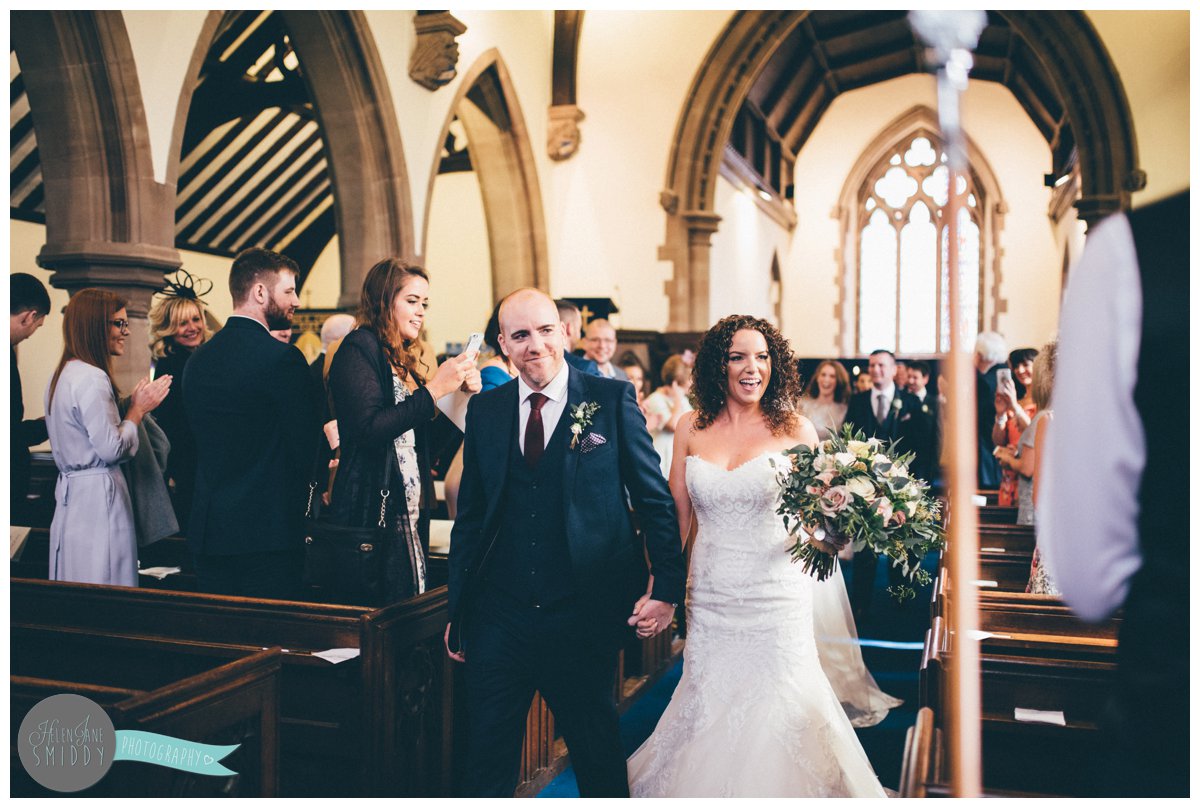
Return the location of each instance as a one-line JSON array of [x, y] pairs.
[[92, 537]]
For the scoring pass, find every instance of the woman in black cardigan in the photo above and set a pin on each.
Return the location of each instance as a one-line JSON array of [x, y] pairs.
[[178, 326], [383, 404]]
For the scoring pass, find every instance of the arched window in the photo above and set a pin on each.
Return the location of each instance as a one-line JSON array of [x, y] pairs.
[[903, 260], [894, 257]]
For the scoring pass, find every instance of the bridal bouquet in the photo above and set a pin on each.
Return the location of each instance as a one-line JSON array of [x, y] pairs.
[[852, 490]]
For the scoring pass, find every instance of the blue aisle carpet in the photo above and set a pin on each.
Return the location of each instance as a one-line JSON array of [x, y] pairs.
[[891, 638]]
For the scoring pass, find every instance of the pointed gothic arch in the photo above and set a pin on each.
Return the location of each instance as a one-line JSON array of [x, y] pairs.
[[360, 132], [502, 157], [1084, 81]]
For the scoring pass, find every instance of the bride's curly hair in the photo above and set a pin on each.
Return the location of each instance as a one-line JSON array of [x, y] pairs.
[[709, 376]]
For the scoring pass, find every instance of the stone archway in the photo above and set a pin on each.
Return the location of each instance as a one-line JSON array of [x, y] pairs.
[[361, 136], [502, 157], [1064, 41], [108, 222]]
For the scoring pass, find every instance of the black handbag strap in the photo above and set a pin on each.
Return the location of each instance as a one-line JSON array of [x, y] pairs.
[[314, 503]]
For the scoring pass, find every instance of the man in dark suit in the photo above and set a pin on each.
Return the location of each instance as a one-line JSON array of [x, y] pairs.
[[601, 346], [925, 430], [991, 353], [888, 413], [250, 402], [572, 320], [28, 306], [545, 565]]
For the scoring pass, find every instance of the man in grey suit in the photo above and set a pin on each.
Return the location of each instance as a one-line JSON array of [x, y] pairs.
[[600, 347]]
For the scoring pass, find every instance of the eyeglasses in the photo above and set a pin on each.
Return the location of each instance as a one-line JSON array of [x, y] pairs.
[[121, 324]]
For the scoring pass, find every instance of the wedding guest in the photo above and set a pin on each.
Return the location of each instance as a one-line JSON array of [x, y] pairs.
[[601, 345], [1014, 411], [28, 306], [990, 353], [284, 335], [666, 405], [1026, 460], [249, 402], [333, 329], [862, 383], [499, 369], [383, 396], [177, 328], [637, 376], [826, 398], [901, 378], [1113, 507], [92, 536], [572, 320]]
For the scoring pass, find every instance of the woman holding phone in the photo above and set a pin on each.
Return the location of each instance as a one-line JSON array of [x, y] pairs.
[[1015, 409], [383, 396]]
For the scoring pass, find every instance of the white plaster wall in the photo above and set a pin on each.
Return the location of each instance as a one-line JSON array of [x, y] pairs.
[[604, 221], [525, 42], [163, 43], [740, 280], [458, 261], [1151, 52]]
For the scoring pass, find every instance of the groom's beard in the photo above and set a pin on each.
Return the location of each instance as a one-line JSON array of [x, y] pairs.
[[278, 318]]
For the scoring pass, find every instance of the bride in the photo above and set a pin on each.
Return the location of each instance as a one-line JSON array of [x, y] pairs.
[[753, 714]]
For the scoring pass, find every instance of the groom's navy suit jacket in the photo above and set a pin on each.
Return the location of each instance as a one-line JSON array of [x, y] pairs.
[[607, 559]]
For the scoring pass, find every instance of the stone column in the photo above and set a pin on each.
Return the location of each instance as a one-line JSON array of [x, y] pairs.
[[132, 271]]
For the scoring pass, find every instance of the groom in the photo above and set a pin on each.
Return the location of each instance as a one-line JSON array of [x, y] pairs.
[[546, 570]]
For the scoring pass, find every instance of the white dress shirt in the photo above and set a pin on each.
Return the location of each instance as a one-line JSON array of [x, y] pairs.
[[1087, 512], [552, 410]]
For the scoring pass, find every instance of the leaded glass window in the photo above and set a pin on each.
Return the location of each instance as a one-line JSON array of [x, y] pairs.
[[903, 266]]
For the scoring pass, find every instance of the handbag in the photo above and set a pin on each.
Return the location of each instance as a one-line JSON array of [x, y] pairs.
[[347, 563]]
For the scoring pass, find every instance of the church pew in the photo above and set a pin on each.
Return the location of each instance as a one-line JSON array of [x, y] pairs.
[[999, 514], [231, 703], [1020, 755], [377, 724], [34, 561], [998, 538], [387, 722]]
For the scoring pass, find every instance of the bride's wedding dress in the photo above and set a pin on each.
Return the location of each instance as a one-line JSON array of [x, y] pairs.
[[753, 714]]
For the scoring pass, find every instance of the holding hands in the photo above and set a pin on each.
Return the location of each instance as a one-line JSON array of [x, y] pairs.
[[651, 616]]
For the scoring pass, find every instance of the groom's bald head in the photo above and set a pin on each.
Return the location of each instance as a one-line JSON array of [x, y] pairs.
[[532, 336]]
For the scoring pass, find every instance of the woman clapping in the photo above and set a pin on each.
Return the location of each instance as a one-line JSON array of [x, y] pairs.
[[92, 538]]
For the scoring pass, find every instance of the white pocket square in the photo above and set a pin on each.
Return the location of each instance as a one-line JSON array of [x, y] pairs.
[[591, 440]]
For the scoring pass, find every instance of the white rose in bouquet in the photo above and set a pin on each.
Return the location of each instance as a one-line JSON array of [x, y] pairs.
[[845, 459], [859, 448], [861, 486]]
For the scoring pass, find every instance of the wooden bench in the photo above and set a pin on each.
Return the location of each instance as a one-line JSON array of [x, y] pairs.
[[223, 703], [1042, 668]]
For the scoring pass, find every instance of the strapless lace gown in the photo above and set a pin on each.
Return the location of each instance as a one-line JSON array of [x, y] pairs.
[[753, 714]]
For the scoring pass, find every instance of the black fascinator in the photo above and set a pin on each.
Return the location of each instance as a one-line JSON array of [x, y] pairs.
[[187, 287]]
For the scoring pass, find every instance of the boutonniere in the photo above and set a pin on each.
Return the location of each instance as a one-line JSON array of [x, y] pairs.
[[925, 408], [897, 403], [581, 419]]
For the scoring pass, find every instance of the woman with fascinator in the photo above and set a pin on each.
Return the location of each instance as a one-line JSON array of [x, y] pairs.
[[177, 328]]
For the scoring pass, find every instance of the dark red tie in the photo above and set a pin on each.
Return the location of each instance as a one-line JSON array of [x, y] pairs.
[[535, 434]]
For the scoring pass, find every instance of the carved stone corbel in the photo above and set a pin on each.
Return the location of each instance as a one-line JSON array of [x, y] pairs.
[[562, 135], [435, 57]]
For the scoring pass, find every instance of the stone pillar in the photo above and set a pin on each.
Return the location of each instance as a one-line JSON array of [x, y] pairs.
[[132, 271]]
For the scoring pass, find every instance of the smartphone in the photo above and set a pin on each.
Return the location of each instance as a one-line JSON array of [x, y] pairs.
[[474, 343], [1003, 375]]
